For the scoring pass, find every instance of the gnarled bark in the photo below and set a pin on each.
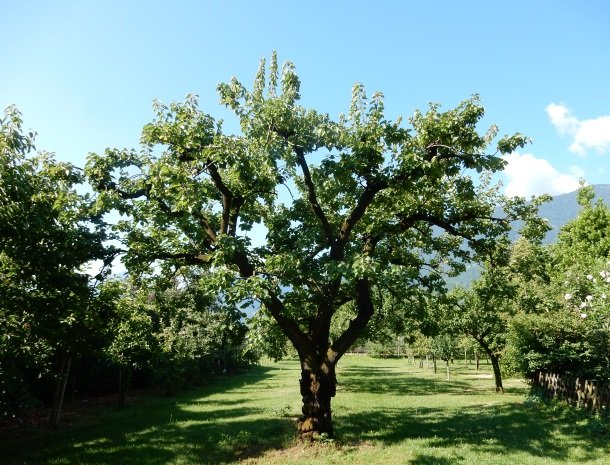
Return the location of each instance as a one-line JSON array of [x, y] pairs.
[[318, 387]]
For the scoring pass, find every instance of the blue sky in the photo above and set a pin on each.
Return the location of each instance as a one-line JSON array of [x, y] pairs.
[[84, 73]]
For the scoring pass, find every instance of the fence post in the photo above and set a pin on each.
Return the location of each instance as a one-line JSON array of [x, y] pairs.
[[588, 394], [595, 398], [577, 392]]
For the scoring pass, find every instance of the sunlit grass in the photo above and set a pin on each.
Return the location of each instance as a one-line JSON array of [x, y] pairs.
[[386, 411]]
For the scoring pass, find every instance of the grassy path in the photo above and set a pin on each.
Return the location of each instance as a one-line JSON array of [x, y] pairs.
[[386, 412]]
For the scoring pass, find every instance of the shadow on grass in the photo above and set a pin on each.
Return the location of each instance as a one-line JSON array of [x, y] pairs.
[[423, 459], [496, 429], [155, 431], [226, 422], [378, 380]]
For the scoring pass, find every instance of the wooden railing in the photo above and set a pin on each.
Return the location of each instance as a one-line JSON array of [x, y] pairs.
[[578, 392]]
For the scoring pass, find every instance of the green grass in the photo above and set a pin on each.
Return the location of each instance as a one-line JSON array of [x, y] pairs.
[[386, 411]]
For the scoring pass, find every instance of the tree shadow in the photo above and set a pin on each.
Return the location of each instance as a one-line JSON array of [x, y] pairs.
[[425, 459], [201, 439], [378, 380], [156, 431], [496, 429], [233, 426]]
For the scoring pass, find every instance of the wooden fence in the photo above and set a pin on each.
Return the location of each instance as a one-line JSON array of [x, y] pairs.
[[577, 392]]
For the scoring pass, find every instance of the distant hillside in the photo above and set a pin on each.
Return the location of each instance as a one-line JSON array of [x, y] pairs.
[[562, 209]]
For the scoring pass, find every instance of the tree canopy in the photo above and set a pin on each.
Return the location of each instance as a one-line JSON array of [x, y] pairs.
[[346, 206], [59, 323], [571, 333], [46, 237]]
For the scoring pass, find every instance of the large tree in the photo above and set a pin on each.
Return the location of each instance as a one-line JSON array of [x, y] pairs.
[[306, 214]]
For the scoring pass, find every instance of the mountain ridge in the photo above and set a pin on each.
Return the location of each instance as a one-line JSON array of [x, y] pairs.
[[562, 209]]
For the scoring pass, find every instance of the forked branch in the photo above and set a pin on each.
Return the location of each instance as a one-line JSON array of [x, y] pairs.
[[312, 196]]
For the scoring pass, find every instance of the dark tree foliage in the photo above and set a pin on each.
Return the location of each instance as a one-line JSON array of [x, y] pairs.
[[46, 237]]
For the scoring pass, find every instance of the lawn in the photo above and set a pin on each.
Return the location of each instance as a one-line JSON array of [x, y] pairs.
[[386, 411]]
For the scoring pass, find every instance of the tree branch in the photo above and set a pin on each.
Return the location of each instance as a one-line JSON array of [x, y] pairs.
[[366, 309], [205, 224], [227, 195], [238, 202], [337, 252], [294, 279], [352, 219], [446, 224], [276, 307], [145, 192], [312, 196], [319, 248], [365, 306], [189, 258], [111, 186]]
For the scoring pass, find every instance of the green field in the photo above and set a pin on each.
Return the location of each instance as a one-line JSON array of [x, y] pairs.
[[386, 411]]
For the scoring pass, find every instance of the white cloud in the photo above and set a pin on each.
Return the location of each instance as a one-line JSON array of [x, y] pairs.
[[586, 134], [528, 175], [561, 118]]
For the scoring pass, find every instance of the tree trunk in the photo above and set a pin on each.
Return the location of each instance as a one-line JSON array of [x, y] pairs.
[[318, 357], [60, 390], [434, 362], [71, 391], [495, 363], [318, 387], [448, 375], [124, 378], [477, 359]]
